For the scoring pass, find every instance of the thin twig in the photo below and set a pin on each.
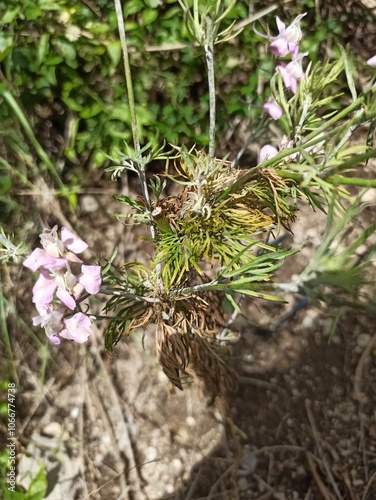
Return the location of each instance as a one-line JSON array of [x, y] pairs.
[[371, 480], [321, 486]]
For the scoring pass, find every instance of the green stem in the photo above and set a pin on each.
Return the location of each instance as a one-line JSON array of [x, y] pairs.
[[128, 76], [129, 295], [352, 181]]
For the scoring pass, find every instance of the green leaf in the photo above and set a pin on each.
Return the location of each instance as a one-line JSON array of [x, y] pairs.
[[153, 4], [38, 486], [6, 44], [349, 74], [114, 51], [132, 7], [149, 16], [66, 49], [43, 47], [10, 15]]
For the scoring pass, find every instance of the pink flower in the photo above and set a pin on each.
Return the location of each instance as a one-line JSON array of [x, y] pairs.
[[58, 280], [287, 40], [372, 61], [292, 72], [268, 151], [77, 328], [273, 109]]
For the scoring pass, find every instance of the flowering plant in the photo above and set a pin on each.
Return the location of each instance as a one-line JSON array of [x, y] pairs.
[[62, 273], [212, 240]]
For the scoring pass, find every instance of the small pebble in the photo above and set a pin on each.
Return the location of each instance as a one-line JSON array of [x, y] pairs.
[[53, 429], [363, 339], [89, 203], [190, 421], [243, 484]]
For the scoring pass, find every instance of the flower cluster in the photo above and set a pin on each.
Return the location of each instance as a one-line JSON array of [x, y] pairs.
[[63, 278], [284, 44]]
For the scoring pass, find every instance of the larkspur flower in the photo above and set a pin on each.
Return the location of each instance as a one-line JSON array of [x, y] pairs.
[[272, 108], [287, 40]]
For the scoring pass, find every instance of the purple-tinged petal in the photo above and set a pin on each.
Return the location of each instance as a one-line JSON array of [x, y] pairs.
[[280, 25], [91, 278], [285, 74], [267, 152], [66, 298], [77, 328], [43, 290], [372, 61], [293, 50], [54, 339], [273, 109], [39, 258], [72, 242], [279, 47]]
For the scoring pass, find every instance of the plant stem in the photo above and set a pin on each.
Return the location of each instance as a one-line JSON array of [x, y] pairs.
[[132, 107], [128, 76], [128, 295], [209, 55]]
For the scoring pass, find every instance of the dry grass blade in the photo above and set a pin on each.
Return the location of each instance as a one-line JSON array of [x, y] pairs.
[[317, 439], [321, 486]]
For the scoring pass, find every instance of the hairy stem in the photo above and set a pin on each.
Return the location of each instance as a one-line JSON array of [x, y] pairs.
[[209, 55], [128, 76]]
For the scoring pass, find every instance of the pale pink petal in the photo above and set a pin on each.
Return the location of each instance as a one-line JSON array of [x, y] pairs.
[[66, 298], [91, 278], [280, 25], [273, 109], [77, 328], [285, 74], [72, 242], [293, 50], [293, 33], [372, 61], [43, 290], [267, 152], [39, 258]]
